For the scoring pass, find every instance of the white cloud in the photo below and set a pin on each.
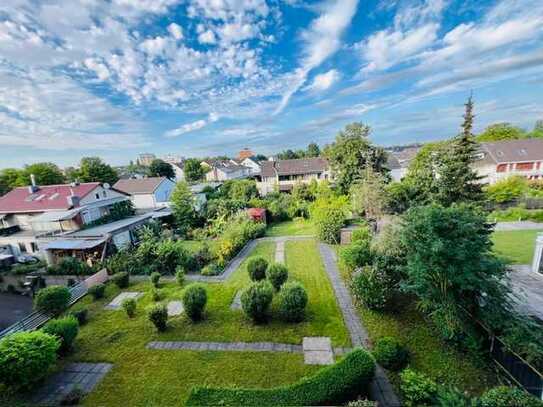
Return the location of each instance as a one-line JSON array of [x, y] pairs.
[[322, 40], [324, 81], [193, 126], [207, 37], [176, 31]]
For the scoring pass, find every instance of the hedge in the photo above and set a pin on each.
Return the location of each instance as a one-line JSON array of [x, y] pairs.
[[331, 385]]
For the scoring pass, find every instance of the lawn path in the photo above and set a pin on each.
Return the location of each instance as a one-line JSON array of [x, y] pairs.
[[380, 389]]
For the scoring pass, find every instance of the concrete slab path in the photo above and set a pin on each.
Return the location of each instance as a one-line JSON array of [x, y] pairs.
[[521, 225], [116, 303]]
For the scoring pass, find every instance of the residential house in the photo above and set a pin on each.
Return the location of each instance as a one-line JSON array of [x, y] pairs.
[[399, 158], [147, 193], [502, 159], [252, 163], [28, 213], [179, 170], [282, 175], [224, 170]]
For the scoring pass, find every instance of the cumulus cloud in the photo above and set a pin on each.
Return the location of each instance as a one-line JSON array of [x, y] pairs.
[[324, 81]]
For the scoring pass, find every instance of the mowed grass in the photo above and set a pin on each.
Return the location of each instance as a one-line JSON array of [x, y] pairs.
[[143, 377], [516, 246], [296, 227]]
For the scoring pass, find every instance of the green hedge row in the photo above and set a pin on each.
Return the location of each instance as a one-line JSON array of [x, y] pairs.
[[330, 386]]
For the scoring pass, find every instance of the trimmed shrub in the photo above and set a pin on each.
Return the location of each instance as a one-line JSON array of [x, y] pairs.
[[292, 302], [390, 354], [332, 385], [212, 269], [121, 280], [372, 288], [277, 275], [70, 266], [81, 316], [356, 255], [97, 291], [194, 301], [503, 396], [158, 315], [156, 294], [129, 306], [256, 267], [65, 329], [155, 279], [26, 357], [256, 300], [417, 389], [361, 235], [180, 275], [52, 300]]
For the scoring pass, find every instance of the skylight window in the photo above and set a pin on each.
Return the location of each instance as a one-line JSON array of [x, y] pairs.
[[54, 196], [39, 198], [499, 153], [522, 151]]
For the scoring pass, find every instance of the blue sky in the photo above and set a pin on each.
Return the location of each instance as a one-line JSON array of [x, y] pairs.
[[203, 77]]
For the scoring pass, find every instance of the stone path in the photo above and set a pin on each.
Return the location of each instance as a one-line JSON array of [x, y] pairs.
[[318, 351], [118, 300], [521, 225], [280, 251], [380, 388], [175, 308], [236, 302], [83, 376]]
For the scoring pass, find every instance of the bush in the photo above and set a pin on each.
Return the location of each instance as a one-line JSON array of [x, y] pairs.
[[26, 357], [81, 316], [356, 255], [52, 300], [372, 288], [158, 315], [277, 275], [129, 305], [97, 291], [503, 396], [66, 329], [180, 275], [361, 235], [331, 385], [256, 300], [156, 294], [155, 278], [121, 280], [390, 354], [417, 389], [292, 302], [212, 269], [194, 301], [70, 266], [234, 237], [256, 267], [328, 215]]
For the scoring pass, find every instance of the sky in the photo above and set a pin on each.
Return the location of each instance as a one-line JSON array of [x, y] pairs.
[[207, 77]]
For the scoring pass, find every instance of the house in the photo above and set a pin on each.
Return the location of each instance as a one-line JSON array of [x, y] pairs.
[[252, 163], [245, 153], [179, 170], [27, 213], [147, 193], [502, 159], [282, 175], [399, 158], [224, 170]]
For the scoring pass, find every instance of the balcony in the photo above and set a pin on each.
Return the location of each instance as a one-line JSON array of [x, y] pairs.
[[10, 230]]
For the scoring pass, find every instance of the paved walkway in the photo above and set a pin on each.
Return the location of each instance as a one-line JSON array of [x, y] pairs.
[[529, 288], [380, 389], [280, 251], [521, 225]]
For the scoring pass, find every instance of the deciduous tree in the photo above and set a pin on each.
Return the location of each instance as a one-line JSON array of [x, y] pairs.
[[93, 169], [193, 170], [160, 168]]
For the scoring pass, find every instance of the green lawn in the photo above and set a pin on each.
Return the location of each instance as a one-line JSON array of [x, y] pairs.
[[428, 353], [516, 246], [296, 227], [143, 377]]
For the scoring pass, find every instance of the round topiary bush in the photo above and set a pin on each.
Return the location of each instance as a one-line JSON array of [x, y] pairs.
[[52, 300], [256, 300], [155, 278], [129, 306], [66, 329], [390, 354], [26, 357], [212, 269], [292, 302], [277, 274], [503, 396], [180, 275], [158, 315], [156, 294], [194, 301], [97, 291], [256, 267], [121, 280]]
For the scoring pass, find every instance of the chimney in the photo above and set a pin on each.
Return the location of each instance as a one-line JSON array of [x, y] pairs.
[[73, 200], [32, 187]]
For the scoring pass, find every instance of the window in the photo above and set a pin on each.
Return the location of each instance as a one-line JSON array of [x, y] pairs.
[[54, 196], [33, 247], [22, 247], [524, 166], [501, 168], [104, 193], [97, 195]]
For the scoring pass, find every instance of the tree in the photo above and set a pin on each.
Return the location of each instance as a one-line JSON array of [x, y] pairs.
[[313, 150], [368, 196], [183, 206], [160, 168], [538, 130], [193, 170], [351, 152], [288, 155], [93, 169], [500, 132], [8, 180], [45, 174]]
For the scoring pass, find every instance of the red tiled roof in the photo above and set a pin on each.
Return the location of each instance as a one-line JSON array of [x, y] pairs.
[[46, 198], [256, 211]]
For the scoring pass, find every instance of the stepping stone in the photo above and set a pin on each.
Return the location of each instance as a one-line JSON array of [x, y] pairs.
[[175, 308], [317, 351], [236, 302], [118, 300]]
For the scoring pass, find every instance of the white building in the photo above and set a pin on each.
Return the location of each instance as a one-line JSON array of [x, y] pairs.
[[147, 193], [225, 170]]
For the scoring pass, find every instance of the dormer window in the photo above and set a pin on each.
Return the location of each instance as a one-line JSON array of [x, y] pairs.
[[54, 196], [97, 195]]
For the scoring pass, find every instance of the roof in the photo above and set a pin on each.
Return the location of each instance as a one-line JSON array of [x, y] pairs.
[[256, 211], [103, 230], [511, 151], [294, 167], [46, 198], [139, 186], [73, 244]]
